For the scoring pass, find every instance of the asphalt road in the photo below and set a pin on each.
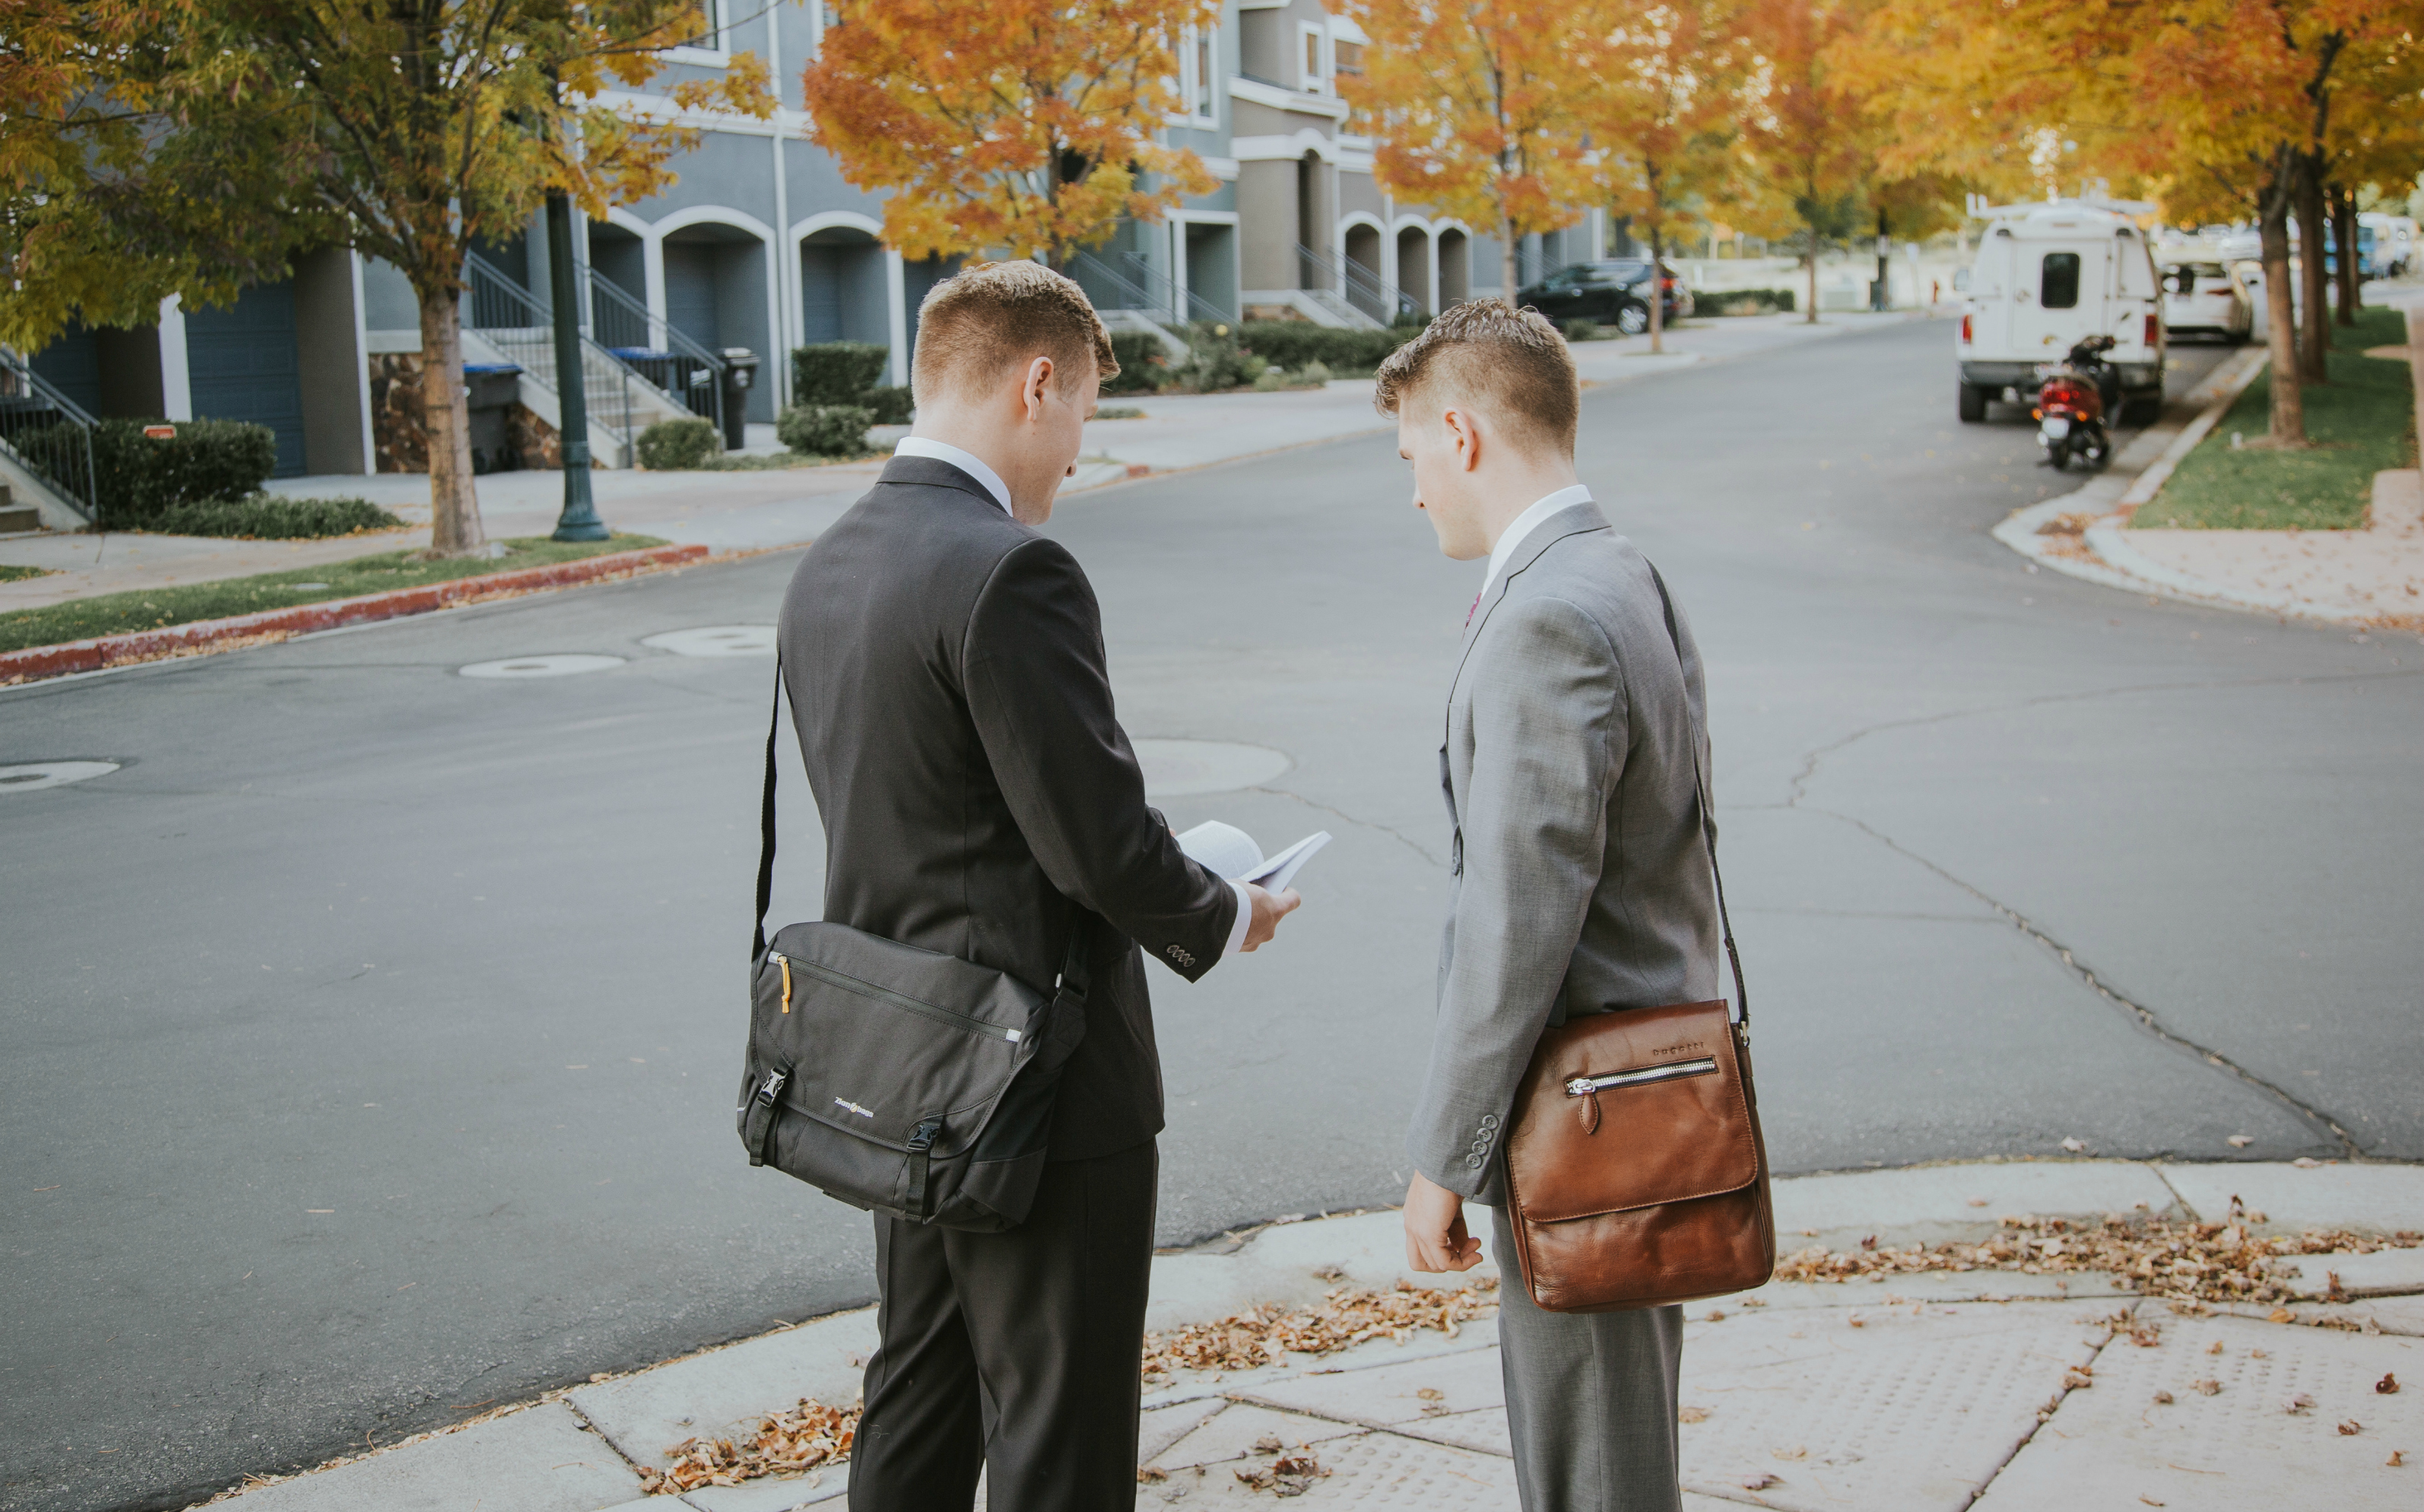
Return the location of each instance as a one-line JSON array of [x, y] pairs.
[[367, 1041]]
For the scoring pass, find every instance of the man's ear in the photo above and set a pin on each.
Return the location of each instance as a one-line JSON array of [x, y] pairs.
[[1038, 377], [1467, 437]]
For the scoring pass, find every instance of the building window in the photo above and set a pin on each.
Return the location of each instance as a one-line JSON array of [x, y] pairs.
[[707, 35], [1350, 56], [1207, 74], [1312, 73]]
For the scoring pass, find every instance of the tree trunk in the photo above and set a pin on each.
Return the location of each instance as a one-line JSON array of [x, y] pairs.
[[2344, 234], [454, 506], [1506, 260], [1657, 288], [2314, 335], [2288, 402], [1811, 258]]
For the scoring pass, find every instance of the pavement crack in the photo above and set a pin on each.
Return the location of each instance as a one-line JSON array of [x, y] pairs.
[[1343, 816], [2143, 1017], [2096, 1352]]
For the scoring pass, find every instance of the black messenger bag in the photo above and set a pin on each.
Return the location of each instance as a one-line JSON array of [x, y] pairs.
[[894, 1078]]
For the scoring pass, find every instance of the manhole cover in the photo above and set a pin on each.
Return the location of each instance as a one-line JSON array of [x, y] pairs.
[[562, 666], [1173, 769], [39, 775], [716, 640]]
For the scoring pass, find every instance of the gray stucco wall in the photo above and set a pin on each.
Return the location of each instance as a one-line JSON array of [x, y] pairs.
[[1266, 207]]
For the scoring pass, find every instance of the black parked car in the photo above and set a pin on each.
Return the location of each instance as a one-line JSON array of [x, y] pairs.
[[1615, 291]]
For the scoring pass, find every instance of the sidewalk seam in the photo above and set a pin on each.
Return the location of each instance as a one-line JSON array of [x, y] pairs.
[[2112, 1331], [2143, 1015], [2186, 1207]]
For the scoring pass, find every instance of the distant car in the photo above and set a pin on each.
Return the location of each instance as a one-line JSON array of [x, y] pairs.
[[1612, 292], [2207, 299]]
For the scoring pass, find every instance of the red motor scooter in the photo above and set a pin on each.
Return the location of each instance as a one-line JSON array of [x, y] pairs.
[[2072, 402]]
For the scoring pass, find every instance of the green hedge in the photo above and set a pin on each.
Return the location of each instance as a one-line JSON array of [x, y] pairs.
[[1144, 363], [826, 430], [836, 373], [1292, 344], [892, 403], [269, 518], [1742, 301], [138, 478], [679, 445]]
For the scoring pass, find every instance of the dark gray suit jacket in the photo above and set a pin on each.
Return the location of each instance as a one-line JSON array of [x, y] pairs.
[[946, 670], [1578, 879]]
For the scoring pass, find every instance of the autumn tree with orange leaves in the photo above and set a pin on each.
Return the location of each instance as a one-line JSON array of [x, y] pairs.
[[1666, 116], [1020, 128], [2224, 108], [1480, 109], [1809, 143]]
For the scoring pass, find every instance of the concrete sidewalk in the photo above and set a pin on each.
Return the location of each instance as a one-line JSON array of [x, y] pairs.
[[752, 511], [2002, 1388]]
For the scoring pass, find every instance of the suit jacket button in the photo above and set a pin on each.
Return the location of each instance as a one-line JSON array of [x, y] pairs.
[[1489, 1121]]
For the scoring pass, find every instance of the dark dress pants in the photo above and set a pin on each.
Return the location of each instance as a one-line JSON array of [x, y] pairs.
[[1014, 1353]]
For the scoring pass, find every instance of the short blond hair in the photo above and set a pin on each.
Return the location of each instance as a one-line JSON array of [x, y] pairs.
[[1510, 362], [988, 316]]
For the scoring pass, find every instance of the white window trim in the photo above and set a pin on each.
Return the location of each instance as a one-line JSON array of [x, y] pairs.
[[1318, 34], [718, 57], [1204, 99]]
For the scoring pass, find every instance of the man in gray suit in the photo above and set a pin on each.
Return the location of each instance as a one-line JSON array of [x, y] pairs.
[[1578, 883]]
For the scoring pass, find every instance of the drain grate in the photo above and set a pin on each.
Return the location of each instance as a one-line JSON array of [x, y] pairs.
[[567, 664]]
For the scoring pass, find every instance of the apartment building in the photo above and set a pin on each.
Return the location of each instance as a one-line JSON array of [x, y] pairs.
[[760, 246]]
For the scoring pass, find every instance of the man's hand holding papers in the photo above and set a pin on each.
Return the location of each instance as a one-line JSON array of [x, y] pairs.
[[1231, 852]]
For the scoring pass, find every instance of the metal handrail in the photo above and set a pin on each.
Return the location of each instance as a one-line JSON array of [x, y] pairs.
[[521, 325], [694, 372], [1361, 287], [1182, 304], [1122, 287], [48, 434]]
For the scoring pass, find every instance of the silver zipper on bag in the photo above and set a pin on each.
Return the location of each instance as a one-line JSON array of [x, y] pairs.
[[1584, 1086]]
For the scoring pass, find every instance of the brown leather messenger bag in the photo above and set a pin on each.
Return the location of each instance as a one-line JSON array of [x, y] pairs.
[[1636, 1172]]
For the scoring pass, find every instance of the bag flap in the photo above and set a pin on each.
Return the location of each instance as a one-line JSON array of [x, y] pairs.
[[878, 1037], [1670, 1122]]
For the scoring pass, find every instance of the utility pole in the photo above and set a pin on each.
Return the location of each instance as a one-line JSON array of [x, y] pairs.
[[579, 521]]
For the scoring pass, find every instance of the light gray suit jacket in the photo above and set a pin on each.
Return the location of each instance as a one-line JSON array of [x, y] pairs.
[[1578, 881]]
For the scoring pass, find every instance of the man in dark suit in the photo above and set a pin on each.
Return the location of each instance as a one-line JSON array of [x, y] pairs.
[[945, 668]]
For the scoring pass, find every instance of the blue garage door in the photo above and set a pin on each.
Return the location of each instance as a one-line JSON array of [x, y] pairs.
[[241, 361]]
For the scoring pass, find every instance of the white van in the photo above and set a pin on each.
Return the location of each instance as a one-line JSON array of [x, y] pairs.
[[2051, 274]]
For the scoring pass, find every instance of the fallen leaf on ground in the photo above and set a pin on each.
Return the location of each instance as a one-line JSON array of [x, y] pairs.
[[2074, 1146], [2214, 1348], [2280, 1314], [2240, 1141], [2306, 1162], [2258, 1354], [2163, 1398], [2206, 1388], [1432, 1393], [2398, 1457], [1796, 1452], [2351, 1428], [1348, 1315], [2078, 1379], [1693, 1414], [1269, 1444], [1977, 1202], [2388, 1385], [1151, 1475], [1288, 1475], [2150, 1501], [806, 1437], [1714, 1317], [1752, 1301], [1760, 1480], [2296, 1402]]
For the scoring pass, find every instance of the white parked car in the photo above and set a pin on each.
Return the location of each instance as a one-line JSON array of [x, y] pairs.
[[2202, 298], [2048, 276]]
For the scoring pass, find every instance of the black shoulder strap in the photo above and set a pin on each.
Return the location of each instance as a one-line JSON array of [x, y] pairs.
[[1708, 819], [1074, 971]]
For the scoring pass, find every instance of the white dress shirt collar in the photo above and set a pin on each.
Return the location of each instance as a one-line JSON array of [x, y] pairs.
[[1524, 524], [968, 462]]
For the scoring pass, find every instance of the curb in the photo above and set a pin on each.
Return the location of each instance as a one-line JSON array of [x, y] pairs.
[[40, 662]]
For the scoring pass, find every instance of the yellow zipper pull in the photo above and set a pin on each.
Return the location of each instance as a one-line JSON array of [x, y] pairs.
[[785, 961]]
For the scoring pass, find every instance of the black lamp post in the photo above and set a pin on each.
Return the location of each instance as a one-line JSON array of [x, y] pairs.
[[579, 521]]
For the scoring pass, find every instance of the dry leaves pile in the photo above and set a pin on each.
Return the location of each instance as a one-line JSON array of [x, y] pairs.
[[1290, 1474], [807, 1437], [2157, 1257], [1348, 1315]]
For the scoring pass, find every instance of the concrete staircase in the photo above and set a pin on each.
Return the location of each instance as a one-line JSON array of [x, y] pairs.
[[16, 518]]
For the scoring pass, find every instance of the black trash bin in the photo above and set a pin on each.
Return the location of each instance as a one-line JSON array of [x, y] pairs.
[[739, 374], [489, 393]]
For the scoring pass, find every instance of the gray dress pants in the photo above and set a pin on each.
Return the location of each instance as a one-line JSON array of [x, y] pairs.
[[1590, 1398]]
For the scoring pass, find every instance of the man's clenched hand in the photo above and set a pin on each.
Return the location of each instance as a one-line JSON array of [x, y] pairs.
[[1435, 1234]]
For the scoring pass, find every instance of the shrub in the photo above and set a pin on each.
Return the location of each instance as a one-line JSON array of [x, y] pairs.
[[1313, 372], [1144, 363], [1583, 330], [892, 403], [1292, 344], [826, 430], [679, 445], [136, 477], [1744, 302], [269, 518], [1216, 360], [836, 373]]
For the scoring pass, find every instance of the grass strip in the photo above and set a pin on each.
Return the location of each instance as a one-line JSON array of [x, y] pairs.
[[146, 609], [2362, 423], [12, 572]]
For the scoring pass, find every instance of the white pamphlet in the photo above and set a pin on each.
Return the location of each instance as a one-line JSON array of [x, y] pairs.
[[1231, 852]]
